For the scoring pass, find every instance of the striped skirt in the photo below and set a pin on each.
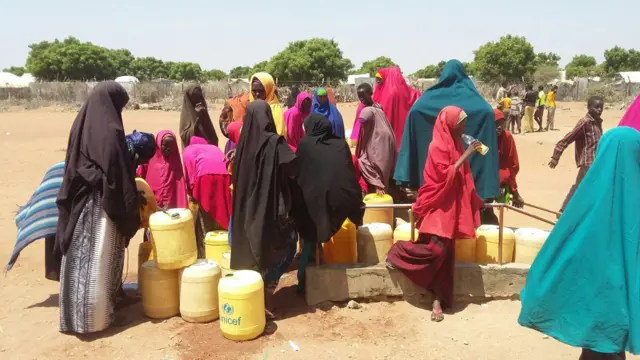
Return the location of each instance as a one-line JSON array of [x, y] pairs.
[[91, 271]]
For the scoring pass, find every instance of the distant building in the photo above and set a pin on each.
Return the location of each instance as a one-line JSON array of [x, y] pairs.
[[351, 79], [629, 77]]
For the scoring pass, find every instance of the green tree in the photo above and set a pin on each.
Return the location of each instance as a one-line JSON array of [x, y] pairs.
[[619, 59], [430, 71], [213, 75], [372, 66], [469, 68], [15, 70], [180, 71], [510, 58], [121, 60], [582, 66], [240, 72], [262, 66], [310, 60], [149, 68], [70, 59], [549, 58]]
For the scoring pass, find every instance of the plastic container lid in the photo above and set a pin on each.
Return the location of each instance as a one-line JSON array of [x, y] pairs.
[[201, 266], [170, 217], [215, 237], [240, 282], [376, 199]]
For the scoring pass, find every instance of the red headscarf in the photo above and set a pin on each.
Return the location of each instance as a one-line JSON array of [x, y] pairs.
[[234, 131], [396, 98], [508, 156], [165, 175], [447, 203]]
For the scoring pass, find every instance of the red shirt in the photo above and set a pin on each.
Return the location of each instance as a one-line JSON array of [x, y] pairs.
[[508, 157]]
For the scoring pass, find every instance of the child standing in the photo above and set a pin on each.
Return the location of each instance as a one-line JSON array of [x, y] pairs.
[[586, 135], [164, 173], [505, 105], [551, 107], [515, 115]]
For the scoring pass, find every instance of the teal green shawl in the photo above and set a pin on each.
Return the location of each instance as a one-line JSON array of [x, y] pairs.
[[584, 286], [454, 88]]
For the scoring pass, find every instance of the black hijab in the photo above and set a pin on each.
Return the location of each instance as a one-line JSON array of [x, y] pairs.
[[328, 181], [98, 160], [195, 119], [291, 100], [261, 194]]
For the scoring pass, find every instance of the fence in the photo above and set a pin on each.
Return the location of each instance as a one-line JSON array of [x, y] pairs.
[[169, 95]]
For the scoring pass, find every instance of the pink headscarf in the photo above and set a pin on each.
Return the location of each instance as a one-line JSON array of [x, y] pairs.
[[197, 140], [396, 98], [294, 117], [201, 158], [165, 175], [631, 118], [355, 132]]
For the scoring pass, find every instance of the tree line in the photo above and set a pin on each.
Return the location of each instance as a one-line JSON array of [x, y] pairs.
[[511, 58]]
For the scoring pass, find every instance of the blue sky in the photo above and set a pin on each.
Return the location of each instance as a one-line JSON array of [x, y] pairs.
[[224, 34]]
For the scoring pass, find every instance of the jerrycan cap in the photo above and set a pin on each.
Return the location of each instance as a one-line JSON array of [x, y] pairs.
[[173, 215]]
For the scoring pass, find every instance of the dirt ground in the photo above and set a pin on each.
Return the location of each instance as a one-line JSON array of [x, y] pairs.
[[33, 140]]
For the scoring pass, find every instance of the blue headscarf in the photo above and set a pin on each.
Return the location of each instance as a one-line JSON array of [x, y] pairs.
[[331, 112], [584, 286], [454, 88], [141, 143]]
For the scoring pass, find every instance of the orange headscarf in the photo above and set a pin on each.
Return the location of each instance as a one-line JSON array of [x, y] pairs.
[[238, 105]]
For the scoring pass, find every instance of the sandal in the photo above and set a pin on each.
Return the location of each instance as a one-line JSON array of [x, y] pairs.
[[269, 315], [437, 315]]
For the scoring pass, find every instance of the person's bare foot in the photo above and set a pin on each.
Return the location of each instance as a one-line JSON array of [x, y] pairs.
[[436, 314]]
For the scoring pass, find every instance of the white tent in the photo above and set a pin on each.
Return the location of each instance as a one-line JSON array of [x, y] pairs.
[[128, 82], [9, 80], [127, 79]]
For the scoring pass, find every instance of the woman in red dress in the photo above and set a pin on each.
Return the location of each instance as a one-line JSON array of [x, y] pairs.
[[447, 208]]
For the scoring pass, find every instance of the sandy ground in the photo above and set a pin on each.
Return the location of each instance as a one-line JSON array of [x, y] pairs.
[[33, 140]]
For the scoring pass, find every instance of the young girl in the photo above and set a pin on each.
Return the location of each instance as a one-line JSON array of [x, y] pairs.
[[447, 209], [164, 173]]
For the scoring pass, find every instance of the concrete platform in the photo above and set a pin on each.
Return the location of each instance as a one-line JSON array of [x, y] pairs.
[[345, 282]]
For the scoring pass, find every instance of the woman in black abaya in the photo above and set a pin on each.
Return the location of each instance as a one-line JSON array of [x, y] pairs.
[[329, 186], [264, 233], [98, 211]]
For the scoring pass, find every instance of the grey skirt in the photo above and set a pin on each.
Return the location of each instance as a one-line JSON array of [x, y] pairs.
[[91, 271]]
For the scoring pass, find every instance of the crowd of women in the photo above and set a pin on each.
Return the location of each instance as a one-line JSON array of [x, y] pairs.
[[285, 176]]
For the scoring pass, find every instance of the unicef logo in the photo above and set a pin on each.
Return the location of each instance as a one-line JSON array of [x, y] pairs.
[[227, 309]]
